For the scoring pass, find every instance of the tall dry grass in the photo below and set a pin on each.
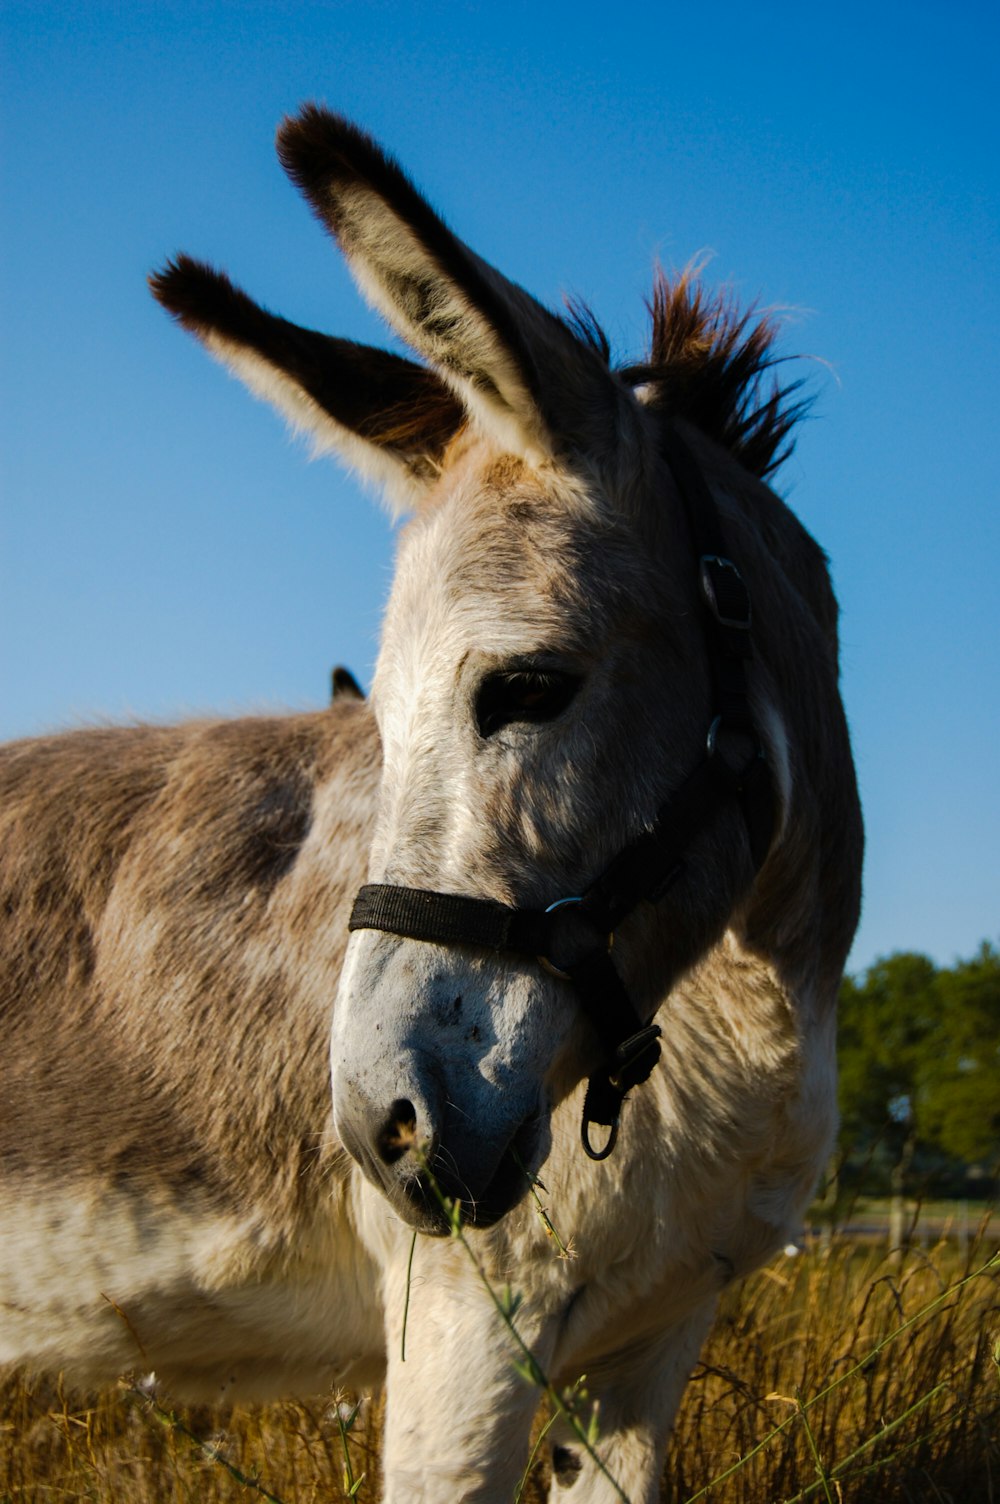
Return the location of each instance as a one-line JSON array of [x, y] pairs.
[[837, 1377], [849, 1377]]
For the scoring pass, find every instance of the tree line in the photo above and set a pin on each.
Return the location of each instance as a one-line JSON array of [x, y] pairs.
[[919, 1053]]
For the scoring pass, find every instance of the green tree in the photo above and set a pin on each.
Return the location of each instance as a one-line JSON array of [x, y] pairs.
[[919, 1055], [958, 1084], [887, 1019]]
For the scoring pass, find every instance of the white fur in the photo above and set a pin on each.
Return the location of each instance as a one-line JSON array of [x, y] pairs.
[[87, 1276]]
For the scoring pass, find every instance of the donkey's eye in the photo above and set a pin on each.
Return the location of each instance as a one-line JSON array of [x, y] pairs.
[[523, 695]]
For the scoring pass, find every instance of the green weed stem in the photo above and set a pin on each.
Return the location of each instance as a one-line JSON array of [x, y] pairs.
[[351, 1484], [842, 1468], [406, 1302], [565, 1249], [211, 1453], [823, 1481]]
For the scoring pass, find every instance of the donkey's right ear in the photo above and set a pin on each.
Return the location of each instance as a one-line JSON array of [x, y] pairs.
[[521, 373], [389, 418]]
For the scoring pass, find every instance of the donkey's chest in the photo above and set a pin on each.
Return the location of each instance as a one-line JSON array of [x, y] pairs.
[[687, 1202]]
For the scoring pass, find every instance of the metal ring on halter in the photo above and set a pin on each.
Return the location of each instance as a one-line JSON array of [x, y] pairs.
[[735, 773], [589, 1150], [550, 966]]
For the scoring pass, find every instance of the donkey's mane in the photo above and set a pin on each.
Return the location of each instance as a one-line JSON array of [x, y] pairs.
[[708, 362]]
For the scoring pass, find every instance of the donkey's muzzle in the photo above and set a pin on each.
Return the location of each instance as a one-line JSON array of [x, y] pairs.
[[432, 1168]]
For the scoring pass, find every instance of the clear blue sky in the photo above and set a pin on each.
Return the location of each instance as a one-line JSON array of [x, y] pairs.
[[164, 548]]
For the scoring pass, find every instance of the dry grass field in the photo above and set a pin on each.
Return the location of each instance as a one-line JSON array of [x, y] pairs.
[[836, 1376]]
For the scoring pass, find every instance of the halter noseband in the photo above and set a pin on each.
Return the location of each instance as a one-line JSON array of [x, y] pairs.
[[573, 936]]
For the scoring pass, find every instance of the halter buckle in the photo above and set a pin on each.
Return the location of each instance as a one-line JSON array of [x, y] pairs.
[[585, 932], [635, 1058], [725, 592]]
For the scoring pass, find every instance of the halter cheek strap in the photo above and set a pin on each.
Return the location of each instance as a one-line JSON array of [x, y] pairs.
[[573, 936]]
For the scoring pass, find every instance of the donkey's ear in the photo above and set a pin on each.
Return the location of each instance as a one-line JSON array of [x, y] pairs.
[[518, 369], [389, 418]]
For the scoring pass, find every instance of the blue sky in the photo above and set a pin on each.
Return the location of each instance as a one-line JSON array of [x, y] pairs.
[[165, 549]]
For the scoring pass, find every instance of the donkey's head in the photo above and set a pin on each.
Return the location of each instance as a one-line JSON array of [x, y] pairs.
[[543, 681]]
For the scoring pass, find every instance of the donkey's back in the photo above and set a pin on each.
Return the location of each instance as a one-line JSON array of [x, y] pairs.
[[165, 1139]]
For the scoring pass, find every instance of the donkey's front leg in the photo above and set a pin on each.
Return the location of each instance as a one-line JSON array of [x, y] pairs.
[[638, 1391], [458, 1413]]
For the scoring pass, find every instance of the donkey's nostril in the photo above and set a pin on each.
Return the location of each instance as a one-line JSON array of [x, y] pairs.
[[398, 1134]]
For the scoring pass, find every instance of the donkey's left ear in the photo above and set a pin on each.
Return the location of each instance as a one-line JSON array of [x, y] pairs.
[[388, 417], [520, 372]]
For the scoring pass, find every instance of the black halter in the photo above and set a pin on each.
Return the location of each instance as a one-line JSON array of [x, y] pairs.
[[572, 937]]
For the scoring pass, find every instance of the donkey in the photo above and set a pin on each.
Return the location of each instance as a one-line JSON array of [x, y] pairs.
[[606, 701]]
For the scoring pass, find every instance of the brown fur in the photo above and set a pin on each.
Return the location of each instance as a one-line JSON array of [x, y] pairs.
[[138, 864], [707, 362]]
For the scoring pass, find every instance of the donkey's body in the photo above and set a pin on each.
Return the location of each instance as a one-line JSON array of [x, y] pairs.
[[175, 924], [167, 1161]]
